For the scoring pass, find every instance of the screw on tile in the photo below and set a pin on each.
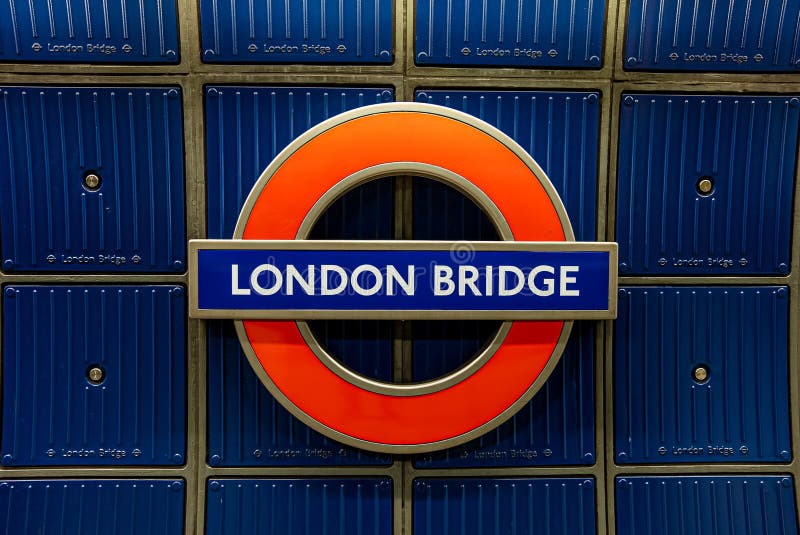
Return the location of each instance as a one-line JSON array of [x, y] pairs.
[[594, 60], [786, 482], [214, 486], [91, 181], [700, 374], [631, 61], [591, 97], [8, 263], [176, 486], [212, 92], [794, 102], [96, 375], [214, 460], [705, 186], [177, 292], [176, 265], [172, 93], [628, 100], [782, 292], [177, 458]]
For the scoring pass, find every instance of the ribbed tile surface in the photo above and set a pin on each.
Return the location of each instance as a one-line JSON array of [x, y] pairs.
[[54, 415], [559, 129], [502, 506], [247, 427], [89, 31], [731, 36], [92, 506], [292, 31], [740, 413], [738, 505], [745, 144], [508, 33], [555, 428], [132, 137], [300, 506], [246, 127]]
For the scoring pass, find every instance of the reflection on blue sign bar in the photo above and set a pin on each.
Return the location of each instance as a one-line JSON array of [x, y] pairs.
[[305, 279]]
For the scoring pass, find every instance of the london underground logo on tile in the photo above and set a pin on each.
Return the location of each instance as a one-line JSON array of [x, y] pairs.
[[270, 278]]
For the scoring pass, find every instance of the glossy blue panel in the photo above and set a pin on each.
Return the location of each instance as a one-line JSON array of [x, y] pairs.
[[746, 145], [738, 505], [559, 129], [274, 31], [555, 428], [732, 36], [510, 34], [54, 415], [89, 31], [246, 127], [528, 506], [92, 506], [247, 427], [132, 137], [299, 506], [740, 413]]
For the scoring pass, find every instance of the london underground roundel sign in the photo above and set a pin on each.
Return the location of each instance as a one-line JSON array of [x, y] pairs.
[[270, 279]]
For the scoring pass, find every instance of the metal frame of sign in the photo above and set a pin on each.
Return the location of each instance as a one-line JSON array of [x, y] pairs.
[[343, 245]]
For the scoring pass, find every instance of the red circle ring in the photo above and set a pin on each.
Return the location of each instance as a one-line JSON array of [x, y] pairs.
[[403, 133]]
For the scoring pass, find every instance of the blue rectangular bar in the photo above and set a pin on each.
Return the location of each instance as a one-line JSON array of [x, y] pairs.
[[280, 280]]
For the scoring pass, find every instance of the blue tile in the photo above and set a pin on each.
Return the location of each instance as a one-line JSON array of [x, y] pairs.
[[524, 506], [739, 505], [246, 127], [92, 506], [328, 31], [511, 34], [555, 428], [132, 138], [89, 31], [740, 413], [559, 129], [248, 427], [299, 506], [745, 145], [734, 36], [53, 414]]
